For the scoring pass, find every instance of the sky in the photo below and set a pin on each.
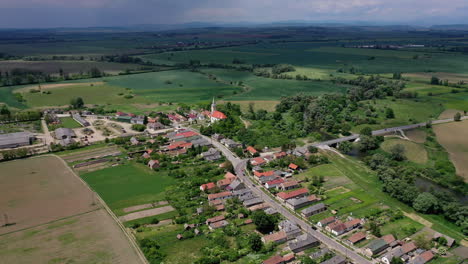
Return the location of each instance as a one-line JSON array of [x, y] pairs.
[[95, 13]]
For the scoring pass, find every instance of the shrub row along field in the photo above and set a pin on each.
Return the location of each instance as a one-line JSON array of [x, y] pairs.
[[45, 201]]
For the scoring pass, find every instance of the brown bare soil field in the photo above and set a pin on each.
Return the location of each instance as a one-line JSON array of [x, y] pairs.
[[39, 190], [55, 85], [146, 213], [416, 135], [143, 206], [88, 238], [53, 66], [449, 113], [56, 219], [453, 137]]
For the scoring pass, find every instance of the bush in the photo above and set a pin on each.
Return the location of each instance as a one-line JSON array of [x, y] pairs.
[[138, 127]]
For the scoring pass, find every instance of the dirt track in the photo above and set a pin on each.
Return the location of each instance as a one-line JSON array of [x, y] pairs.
[[146, 213]]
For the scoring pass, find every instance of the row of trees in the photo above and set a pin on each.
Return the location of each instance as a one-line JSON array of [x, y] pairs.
[[399, 181], [8, 115]]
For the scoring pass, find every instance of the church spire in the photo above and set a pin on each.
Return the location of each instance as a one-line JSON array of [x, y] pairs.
[[213, 106]]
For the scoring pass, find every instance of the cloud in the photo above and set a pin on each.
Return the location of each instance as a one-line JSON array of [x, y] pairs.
[[128, 12]]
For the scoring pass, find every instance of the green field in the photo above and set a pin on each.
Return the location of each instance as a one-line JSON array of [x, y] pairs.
[[325, 56], [413, 152], [128, 185], [260, 88], [401, 228], [69, 122]]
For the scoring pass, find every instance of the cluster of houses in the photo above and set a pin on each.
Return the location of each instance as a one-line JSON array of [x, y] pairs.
[[387, 248], [213, 115], [337, 227]]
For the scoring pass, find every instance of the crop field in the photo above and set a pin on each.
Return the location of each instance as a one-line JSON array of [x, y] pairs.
[[413, 151], [260, 88], [325, 56], [128, 185], [70, 67], [452, 136], [406, 112], [91, 94], [416, 135], [47, 202], [43, 187]]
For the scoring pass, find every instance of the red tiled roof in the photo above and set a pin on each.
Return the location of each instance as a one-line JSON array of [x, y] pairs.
[[388, 238], [327, 220], [295, 193], [274, 182], [280, 154], [408, 247], [215, 219], [293, 166], [288, 257], [281, 235], [224, 182], [248, 221], [179, 144], [218, 115], [258, 160], [149, 151], [251, 149], [289, 184], [263, 174], [229, 175], [208, 186], [218, 195], [357, 237], [427, 255], [220, 207], [186, 134], [352, 223], [333, 225], [274, 260]]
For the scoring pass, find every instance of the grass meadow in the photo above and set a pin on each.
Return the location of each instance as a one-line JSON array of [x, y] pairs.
[[413, 151], [128, 185]]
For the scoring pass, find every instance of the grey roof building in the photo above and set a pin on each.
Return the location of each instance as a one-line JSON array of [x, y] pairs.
[[335, 260], [64, 133], [291, 229], [14, 140], [303, 242], [270, 211], [211, 154], [298, 202], [80, 120], [319, 254], [236, 185], [252, 202], [200, 142], [314, 209]]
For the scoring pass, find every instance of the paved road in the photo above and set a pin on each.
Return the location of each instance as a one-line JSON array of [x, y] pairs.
[[239, 167], [384, 131]]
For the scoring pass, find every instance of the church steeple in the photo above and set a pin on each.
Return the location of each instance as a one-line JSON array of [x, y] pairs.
[[213, 106]]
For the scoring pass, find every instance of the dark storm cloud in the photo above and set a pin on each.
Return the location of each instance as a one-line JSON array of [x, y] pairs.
[[56, 13]]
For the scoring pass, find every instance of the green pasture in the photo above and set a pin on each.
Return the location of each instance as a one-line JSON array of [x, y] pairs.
[[413, 151], [368, 181], [69, 122], [96, 94], [401, 228], [407, 111], [325, 56], [259, 88], [128, 185]]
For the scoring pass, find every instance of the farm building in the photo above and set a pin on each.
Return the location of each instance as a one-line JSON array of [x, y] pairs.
[[326, 221], [211, 154], [357, 237], [278, 237], [155, 126], [289, 185], [14, 140], [335, 260], [314, 209], [294, 194], [139, 120], [219, 196], [207, 186], [219, 224], [399, 252], [296, 203], [291, 229], [80, 120], [302, 243], [423, 258], [153, 164]]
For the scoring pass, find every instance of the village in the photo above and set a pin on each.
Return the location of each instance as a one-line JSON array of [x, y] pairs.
[[164, 141]]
